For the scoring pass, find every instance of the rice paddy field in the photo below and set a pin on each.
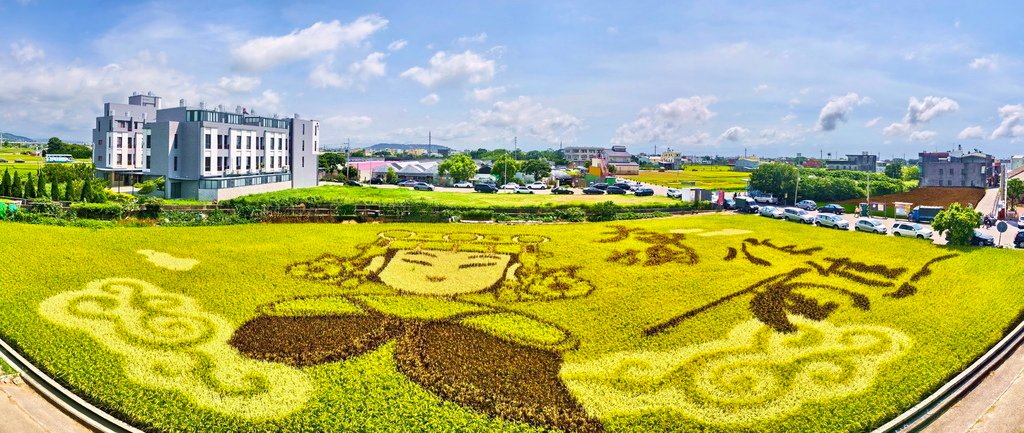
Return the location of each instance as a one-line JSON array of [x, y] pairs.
[[711, 177], [708, 323]]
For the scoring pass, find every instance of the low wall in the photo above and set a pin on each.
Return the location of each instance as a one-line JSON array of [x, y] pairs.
[[230, 193]]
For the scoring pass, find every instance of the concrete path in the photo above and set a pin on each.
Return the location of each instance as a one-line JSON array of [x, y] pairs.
[[994, 406], [22, 410], [987, 205]]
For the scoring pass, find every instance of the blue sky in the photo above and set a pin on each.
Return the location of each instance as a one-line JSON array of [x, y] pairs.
[[771, 78]]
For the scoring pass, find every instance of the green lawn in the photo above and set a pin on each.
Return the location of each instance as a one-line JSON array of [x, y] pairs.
[[371, 195], [31, 165], [709, 323], [700, 176]]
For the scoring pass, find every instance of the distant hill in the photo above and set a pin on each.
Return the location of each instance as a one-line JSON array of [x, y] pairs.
[[11, 137]]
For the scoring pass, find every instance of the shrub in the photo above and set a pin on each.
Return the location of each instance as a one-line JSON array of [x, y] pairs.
[[105, 211], [478, 215], [604, 211]]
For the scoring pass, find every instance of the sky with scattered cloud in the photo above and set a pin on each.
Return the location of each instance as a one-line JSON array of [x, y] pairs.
[[893, 78]]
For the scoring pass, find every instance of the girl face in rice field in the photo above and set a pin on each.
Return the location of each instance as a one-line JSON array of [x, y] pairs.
[[444, 273]]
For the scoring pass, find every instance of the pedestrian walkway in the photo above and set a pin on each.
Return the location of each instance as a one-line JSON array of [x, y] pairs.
[[994, 406], [22, 410], [987, 205]]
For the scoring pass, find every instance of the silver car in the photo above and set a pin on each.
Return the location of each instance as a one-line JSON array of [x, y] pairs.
[[771, 212], [911, 230], [870, 225], [831, 221], [798, 215]]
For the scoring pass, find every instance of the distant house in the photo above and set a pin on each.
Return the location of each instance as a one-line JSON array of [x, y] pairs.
[[956, 168], [622, 160], [746, 164], [863, 162], [579, 155], [423, 171], [1016, 161], [813, 163]]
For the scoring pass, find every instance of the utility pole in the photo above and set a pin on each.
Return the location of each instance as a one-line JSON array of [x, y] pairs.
[[430, 143], [348, 148], [796, 190]]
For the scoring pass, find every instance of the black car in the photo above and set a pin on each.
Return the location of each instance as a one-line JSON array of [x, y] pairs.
[[643, 192], [1018, 241], [832, 208], [615, 190], [485, 187], [980, 239], [600, 186], [593, 190], [624, 186], [730, 204], [560, 190], [351, 182], [376, 181]]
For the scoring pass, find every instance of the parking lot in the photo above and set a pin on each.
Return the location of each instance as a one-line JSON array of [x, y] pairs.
[[1005, 241]]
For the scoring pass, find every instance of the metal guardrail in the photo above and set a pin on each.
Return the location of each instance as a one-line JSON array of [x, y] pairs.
[[79, 409], [929, 409]]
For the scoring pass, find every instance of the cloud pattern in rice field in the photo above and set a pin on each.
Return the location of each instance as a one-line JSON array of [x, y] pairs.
[[168, 261]]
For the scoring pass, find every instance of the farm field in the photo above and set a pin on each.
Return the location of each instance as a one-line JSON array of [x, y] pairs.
[[32, 164], [703, 323], [704, 176], [929, 196], [372, 195]]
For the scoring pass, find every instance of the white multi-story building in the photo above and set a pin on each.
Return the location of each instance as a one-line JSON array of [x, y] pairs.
[[205, 154], [582, 154]]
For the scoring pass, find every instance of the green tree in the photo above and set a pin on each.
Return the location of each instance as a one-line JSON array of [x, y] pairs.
[[69, 190], [17, 189], [54, 190], [612, 169], [1014, 190], [537, 167], [505, 168], [86, 194], [459, 167], [958, 222], [40, 185], [391, 176], [774, 178], [894, 170], [329, 161], [30, 187], [5, 184], [911, 172]]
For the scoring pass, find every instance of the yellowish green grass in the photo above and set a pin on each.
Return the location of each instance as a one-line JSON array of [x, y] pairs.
[[697, 176], [715, 323]]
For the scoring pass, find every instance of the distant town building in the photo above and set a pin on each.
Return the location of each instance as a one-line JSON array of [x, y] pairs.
[[622, 160], [579, 154], [394, 149], [204, 153], [746, 164], [863, 162], [422, 171], [1016, 161], [956, 168]]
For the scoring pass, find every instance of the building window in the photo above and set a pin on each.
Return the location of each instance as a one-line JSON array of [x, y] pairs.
[[271, 162], [279, 162], [175, 142], [119, 143], [238, 142], [208, 141], [220, 163], [99, 143], [175, 163], [207, 165], [248, 142], [238, 163], [940, 172], [149, 161], [303, 129], [131, 143], [149, 141], [949, 183], [248, 163], [303, 161], [303, 145], [286, 144], [119, 159], [131, 159]]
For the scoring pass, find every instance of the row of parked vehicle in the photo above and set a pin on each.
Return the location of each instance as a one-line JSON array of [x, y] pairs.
[[618, 188]]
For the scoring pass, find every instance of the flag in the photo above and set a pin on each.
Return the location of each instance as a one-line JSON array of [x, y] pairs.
[[721, 197]]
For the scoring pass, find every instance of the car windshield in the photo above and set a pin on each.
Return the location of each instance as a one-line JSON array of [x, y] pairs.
[[916, 226]]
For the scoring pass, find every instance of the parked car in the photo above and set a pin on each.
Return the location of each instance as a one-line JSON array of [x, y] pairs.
[[1018, 241], [600, 186], [765, 198], [352, 182], [19, 161], [643, 192], [771, 212], [981, 239], [485, 187], [3, 160], [590, 190], [463, 184], [807, 205], [560, 190], [523, 191], [832, 209], [615, 190], [423, 186], [510, 185], [376, 181], [870, 225], [831, 221], [913, 230], [796, 214], [407, 183], [624, 186], [537, 185], [674, 193], [746, 205]]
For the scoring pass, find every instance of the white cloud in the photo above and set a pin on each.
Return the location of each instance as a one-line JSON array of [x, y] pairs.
[[475, 39], [397, 45], [25, 52], [269, 51], [612, 30], [359, 73], [1010, 127], [268, 102], [665, 122], [349, 123], [871, 123], [238, 83], [444, 69], [922, 135], [486, 94], [788, 118], [735, 133], [837, 109], [760, 88], [529, 120], [430, 99], [990, 63], [971, 133], [928, 108], [896, 128]]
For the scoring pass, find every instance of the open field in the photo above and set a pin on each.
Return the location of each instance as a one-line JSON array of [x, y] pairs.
[[702, 176], [372, 195], [32, 164], [707, 323], [929, 196]]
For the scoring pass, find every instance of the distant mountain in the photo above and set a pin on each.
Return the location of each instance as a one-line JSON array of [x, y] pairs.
[[11, 137]]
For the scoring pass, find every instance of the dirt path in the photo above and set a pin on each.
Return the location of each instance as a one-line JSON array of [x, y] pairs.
[[22, 410]]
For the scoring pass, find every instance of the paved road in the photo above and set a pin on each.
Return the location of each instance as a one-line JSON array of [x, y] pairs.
[[22, 410]]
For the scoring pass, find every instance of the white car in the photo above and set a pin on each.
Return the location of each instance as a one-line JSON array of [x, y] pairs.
[[674, 193], [831, 221], [537, 185], [510, 185], [463, 185], [771, 212], [870, 225], [523, 191], [911, 230]]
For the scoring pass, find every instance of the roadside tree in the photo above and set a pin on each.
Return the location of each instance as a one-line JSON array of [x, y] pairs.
[[505, 168], [894, 170], [458, 167], [957, 223]]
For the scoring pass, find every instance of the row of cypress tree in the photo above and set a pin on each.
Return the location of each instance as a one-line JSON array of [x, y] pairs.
[[35, 187]]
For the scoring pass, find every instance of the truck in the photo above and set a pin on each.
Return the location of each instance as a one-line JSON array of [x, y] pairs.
[[746, 205], [924, 214]]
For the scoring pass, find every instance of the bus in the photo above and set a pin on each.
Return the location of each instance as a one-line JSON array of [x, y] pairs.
[[59, 158]]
